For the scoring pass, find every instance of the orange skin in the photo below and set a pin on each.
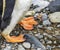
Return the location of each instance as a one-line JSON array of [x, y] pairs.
[[14, 39], [28, 23]]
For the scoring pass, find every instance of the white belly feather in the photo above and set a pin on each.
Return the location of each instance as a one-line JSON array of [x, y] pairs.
[[21, 7]]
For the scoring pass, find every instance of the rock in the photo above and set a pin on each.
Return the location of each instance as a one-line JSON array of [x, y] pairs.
[[49, 28], [40, 26], [55, 42], [58, 37], [8, 47], [32, 46], [30, 13], [37, 16], [58, 25], [42, 4], [57, 33], [49, 42], [46, 22], [42, 41], [55, 17], [49, 47], [20, 47], [33, 49], [59, 46], [44, 17], [38, 48], [26, 44], [39, 36]]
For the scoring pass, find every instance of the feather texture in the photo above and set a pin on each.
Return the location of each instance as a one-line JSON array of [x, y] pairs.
[[20, 8]]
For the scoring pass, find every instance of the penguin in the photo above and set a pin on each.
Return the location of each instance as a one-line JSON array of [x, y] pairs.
[[13, 11]]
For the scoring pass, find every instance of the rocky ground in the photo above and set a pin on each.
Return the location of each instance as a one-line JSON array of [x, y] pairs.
[[47, 32]]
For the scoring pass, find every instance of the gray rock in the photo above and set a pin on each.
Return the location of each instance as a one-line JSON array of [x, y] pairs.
[[46, 22], [49, 47], [58, 25], [38, 48], [49, 42], [42, 4], [44, 17], [8, 47], [32, 46], [36, 15], [42, 41], [58, 46], [40, 26], [20, 47], [55, 17], [49, 28], [26, 44], [55, 42], [39, 36]]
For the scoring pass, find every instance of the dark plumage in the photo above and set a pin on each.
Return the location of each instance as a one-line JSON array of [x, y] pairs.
[[7, 13], [1, 5]]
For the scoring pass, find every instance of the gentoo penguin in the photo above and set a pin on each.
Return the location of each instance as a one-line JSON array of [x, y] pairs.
[[13, 11]]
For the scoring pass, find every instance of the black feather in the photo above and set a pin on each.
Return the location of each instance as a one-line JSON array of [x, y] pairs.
[[7, 13], [1, 6]]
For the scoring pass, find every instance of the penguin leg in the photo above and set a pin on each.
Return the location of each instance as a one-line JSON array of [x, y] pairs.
[[20, 8]]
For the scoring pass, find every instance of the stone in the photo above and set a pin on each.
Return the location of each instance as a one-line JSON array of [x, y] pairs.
[[39, 36], [20, 47], [58, 25], [44, 16], [42, 41], [8, 47], [26, 44], [49, 28], [46, 22], [55, 42], [42, 4], [55, 17], [30, 13], [49, 42], [32, 46], [38, 48], [40, 26]]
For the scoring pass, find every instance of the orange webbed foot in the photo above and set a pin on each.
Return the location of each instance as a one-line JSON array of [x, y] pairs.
[[27, 23], [14, 39]]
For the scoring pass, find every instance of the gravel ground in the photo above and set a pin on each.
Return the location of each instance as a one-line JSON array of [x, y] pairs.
[[46, 32]]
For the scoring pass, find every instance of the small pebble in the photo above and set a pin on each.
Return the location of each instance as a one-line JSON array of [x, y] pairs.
[[39, 36], [55, 42], [59, 46], [20, 47], [40, 26], [44, 17], [32, 46], [49, 28], [8, 47], [46, 22], [58, 26], [38, 48], [30, 13], [49, 42], [26, 44]]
